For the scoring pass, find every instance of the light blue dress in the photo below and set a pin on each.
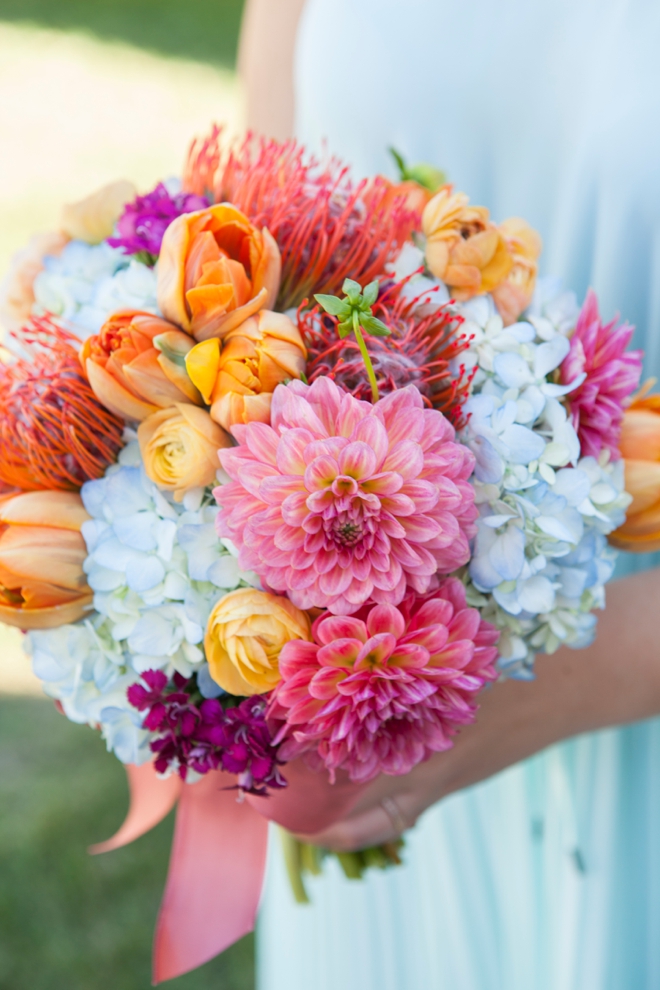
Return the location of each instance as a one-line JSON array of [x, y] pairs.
[[546, 877]]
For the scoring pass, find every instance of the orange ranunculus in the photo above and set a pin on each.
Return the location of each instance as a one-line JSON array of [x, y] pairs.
[[17, 287], [514, 294], [179, 448], [93, 219], [640, 448], [215, 270], [238, 377], [42, 583], [463, 248], [136, 365]]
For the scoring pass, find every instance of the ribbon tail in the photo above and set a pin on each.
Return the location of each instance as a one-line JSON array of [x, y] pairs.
[[151, 798], [215, 877]]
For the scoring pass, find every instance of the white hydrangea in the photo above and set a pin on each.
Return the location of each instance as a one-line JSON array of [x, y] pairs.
[[540, 558], [157, 568], [86, 283]]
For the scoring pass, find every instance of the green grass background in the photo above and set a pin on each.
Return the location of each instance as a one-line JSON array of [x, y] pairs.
[[68, 920], [206, 30]]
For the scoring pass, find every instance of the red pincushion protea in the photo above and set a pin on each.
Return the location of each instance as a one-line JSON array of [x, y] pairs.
[[327, 227], [54, 433], [382, 691], [340, 502], [421, 350], [612, 375]]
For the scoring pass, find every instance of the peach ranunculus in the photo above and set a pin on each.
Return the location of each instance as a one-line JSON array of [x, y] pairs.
[[238, 376], [42, 583], [17, 287], [514, 294], [136, 365], [463, 248], [93, 218], [215, 270], [244, 636], [179, 447], [640, 447]]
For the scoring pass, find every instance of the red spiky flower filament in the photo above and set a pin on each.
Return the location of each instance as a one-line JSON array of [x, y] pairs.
[[54, 433], [327, 227], [421, 350]]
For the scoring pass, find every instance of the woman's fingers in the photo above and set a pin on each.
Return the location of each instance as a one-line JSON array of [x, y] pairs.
[[384, 822]]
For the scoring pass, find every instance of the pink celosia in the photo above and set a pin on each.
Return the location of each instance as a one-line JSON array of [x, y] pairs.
[[612, 374], [383, 690], [340, 502]]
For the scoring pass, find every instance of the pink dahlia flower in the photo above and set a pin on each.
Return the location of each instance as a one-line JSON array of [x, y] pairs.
[[381, 691], [612, 374], [340, 502]]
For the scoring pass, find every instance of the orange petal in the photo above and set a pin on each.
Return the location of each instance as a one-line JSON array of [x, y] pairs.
[[148, 380], [643, 483], [47, 618], [202, 364], [640, 435], [64, 510], [224, 324], [114, 396], [268, 273]]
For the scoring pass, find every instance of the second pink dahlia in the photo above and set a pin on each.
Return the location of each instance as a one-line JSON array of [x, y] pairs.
[[612, 375], [382, 691], [340, 502]]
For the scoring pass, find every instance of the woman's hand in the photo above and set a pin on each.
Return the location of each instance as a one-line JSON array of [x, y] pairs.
[[615, 680]]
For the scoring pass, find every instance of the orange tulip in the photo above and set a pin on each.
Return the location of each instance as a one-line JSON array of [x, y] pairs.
[[42, 583], [215, 270], [136, 365], [239, 377], [640, 448], [514, 294], [179, 448]]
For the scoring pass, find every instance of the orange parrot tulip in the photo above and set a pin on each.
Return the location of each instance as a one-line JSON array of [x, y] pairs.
[[136, 365], [215, 270], [640, 448], [42, 551]]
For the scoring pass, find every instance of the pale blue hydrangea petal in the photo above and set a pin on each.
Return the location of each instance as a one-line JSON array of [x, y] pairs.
[[207, 686], [507, 553], [137, 530], [144, 571], [512, 369], [537, 594], [523, 444], [550, 355]]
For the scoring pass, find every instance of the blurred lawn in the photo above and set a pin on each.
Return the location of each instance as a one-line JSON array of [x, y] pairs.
[[206, 30], [70, 921]]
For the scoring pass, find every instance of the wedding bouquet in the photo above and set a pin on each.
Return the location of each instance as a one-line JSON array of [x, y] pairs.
[[292, 467]]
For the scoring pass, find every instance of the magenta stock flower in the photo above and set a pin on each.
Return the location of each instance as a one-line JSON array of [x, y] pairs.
[[612, 374], [381, 691], [144, 221], [340, 502]]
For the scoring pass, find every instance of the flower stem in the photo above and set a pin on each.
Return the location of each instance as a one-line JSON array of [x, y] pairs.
[[357, 330]]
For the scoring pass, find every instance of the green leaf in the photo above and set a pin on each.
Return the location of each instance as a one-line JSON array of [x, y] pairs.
[[333, 305], [370, 294], [352, 289], [345, 328], [427, 175], [400, 163], [374, 326]]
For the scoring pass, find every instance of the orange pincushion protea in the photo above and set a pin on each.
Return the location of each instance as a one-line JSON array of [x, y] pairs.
[[54, 433], [421, 350], [327, 227]]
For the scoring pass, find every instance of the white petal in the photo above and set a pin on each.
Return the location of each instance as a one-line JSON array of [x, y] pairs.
[[507, 554], [550, 355], [512, 370], [523, 444]]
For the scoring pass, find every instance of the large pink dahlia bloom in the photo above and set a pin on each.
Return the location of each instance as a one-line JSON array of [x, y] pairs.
[[340, 502], [381, 691], [612, 375]]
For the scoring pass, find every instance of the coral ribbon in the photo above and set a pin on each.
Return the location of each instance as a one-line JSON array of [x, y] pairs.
[[216, 869], [151, 799], [218, 856]]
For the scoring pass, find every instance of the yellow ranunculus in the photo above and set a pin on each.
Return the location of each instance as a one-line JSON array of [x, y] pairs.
[[640, 448], [238, 378], [244, 636], [463, 248], [514, 294], [93, 219], [42, 583], [179, 447]]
